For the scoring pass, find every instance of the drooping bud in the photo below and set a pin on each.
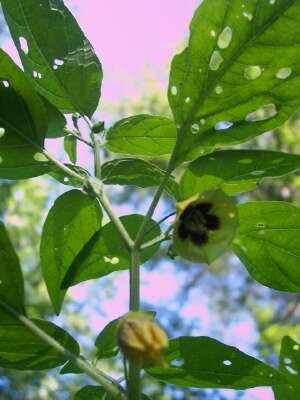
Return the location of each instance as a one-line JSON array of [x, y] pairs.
[[142, 339], [205, 226]]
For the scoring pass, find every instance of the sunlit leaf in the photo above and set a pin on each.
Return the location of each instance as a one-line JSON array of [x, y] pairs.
[[106, 252], [238, 76], [55, 53], [72, 221], [268, 243], [146, 135], [206, 363], [136, 172], [23, 124], [11, 278], [23, 350], [235, 171], [70, 146], [289, 364]]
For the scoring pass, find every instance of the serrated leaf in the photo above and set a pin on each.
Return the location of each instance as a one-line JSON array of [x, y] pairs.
[[106, 252], [107, 340], [23, 124], [235, 171], [70, 146], [136, 172], [23, 350], [238, 76], [289, 364], [55, 53], [71, 223], [56, 121], [206, 363], [268, 243], [11, 278], [145, 135]]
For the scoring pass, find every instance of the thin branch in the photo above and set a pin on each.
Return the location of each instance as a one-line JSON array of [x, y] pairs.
[[78, 137], [98, 376]]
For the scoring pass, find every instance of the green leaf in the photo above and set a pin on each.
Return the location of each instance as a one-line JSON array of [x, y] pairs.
[[55, 53], [11, 278], [235, 171], [107, 340], [238, 76], [268, 243], [56, 121], [206, 363], [23, 350], [136, 172], [57, 174], [23, 124], [70, 224], [71, 368], [145, 135], [289, 365], [106, 251], [91, 393], [70, 146]]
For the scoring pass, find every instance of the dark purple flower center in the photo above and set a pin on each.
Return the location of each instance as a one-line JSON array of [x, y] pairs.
[[195, 221]]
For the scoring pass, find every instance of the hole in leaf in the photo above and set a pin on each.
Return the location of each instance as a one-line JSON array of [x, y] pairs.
[[219, 89], [225, 38], [1, 159], [23, 44], [187, 100], [287, 360], [263, 113], [195, 129], [212, 33], [253, 72], [291, 370], [58, 62], [174, 90], [223, 125], [296, 347], [215, 60], [178, 362], [2, 132], [248, 15], [5, 84], [227, 363], [283, 73]]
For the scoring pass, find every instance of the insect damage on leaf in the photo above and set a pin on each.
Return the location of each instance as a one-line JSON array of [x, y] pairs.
[[205, 226]]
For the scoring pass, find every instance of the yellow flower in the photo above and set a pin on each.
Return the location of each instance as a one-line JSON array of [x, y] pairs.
[[141, 339]]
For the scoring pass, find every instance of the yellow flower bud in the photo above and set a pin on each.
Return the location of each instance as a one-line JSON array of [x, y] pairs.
[[142, 339]]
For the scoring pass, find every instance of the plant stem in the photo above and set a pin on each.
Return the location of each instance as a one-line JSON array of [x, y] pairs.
[[109, 384], [97, 158], [134, 303], [134, 387]]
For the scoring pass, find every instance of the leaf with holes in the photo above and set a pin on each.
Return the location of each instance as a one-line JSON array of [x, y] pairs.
[[289, 364], [145, 135], [106, 252], [235, 171], [268, 243], [11, 278], [136, 172], [23, 350], [55, 53], [238, 76], [59, 175], [71, 223], [206, 363], [23, 124]]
